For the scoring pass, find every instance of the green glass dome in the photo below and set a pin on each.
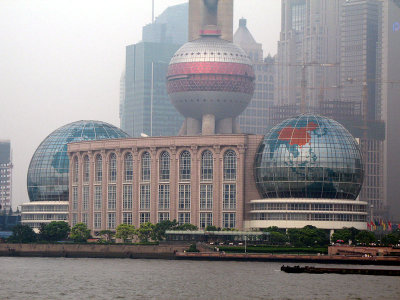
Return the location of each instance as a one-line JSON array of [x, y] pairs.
[[47, 178]]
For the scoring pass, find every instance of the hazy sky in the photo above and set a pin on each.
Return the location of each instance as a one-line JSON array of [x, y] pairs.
[[61, 61]]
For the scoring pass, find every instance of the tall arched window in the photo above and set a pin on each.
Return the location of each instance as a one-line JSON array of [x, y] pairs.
[[98, 168], [76, 169], [207, 166], [146, 161], [230, 165], [184, 166], [112, 168], [128, 167], [164, 166], [86, 168]]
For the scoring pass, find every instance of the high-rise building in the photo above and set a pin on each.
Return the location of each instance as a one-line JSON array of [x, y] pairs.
[[5, 175], [146, 108], [255, 117], [389, 95], [308, 51], [360, 21]]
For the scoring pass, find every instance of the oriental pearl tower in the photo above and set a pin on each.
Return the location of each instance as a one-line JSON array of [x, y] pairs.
[[210, 81]]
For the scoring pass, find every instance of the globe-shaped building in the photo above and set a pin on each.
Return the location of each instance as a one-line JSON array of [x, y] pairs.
[[47, 178], [309, 156], [209, 80], [309, 171]]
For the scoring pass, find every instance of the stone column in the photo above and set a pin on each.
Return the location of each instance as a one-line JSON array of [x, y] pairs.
[[136, 187], [104, 180], [173, 184], [217, 186], [153, 185], [208, 125], [194, 182], [193, 126], [225, 126], [119, 180], [240, 199]]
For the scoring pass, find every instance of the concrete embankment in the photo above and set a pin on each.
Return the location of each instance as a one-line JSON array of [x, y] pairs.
[[163, 251], [325, 259]]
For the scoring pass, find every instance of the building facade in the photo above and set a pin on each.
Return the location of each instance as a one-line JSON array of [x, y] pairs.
[[5, 175], [198, 180], [254, 119]]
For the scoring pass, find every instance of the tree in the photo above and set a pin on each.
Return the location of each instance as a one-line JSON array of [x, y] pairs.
[[160, 228], [308, 236], [108, 234], [145, 231], [212, 228], [277, 238], [125, 231], [22, 234], [186, 226], [344, 235], [54, 231], [80, 232], [365, 237], [390, 239]]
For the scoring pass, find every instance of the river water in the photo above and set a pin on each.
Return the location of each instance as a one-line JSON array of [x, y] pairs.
[[82, 278]]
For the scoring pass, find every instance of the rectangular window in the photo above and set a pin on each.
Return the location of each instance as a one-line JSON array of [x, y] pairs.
[[85, 202], [98, 195], [74, 219], [145, 197], [229, 220], [163, 197], [206, 196], [127, 197], [205, 220], [85, 219], [183, 218], [74, 197], [127, 218], [144, 217], [97, 220], [112, 197], [229, 196], [163, 216], [111, 221], [184, 196]]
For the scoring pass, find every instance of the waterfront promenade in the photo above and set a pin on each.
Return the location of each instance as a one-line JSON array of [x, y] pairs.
[[177, 251]]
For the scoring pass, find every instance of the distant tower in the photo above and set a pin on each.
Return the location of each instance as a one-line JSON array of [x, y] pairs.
[[255, 118], [210, 80], [201, 11], [5, 175]]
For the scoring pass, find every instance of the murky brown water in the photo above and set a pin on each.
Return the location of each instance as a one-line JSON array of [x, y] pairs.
[[68, 278]]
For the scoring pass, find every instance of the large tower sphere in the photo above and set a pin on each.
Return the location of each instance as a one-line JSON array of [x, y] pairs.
[[47, 178], [309, 156], [210, 76]]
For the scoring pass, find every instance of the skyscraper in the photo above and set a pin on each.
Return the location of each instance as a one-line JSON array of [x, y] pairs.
[[255, 117], [146, 107], [389, 94], [5, 175], [360, 21], [309, 40]]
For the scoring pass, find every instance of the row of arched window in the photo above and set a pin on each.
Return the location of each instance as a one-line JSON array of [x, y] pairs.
[[206, 168]]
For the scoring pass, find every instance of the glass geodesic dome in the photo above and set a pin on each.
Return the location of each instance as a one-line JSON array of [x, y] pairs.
[[47, 178], [309, 156]]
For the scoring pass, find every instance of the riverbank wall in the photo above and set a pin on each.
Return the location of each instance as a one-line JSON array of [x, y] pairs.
[[291, 258], [162, 251]]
